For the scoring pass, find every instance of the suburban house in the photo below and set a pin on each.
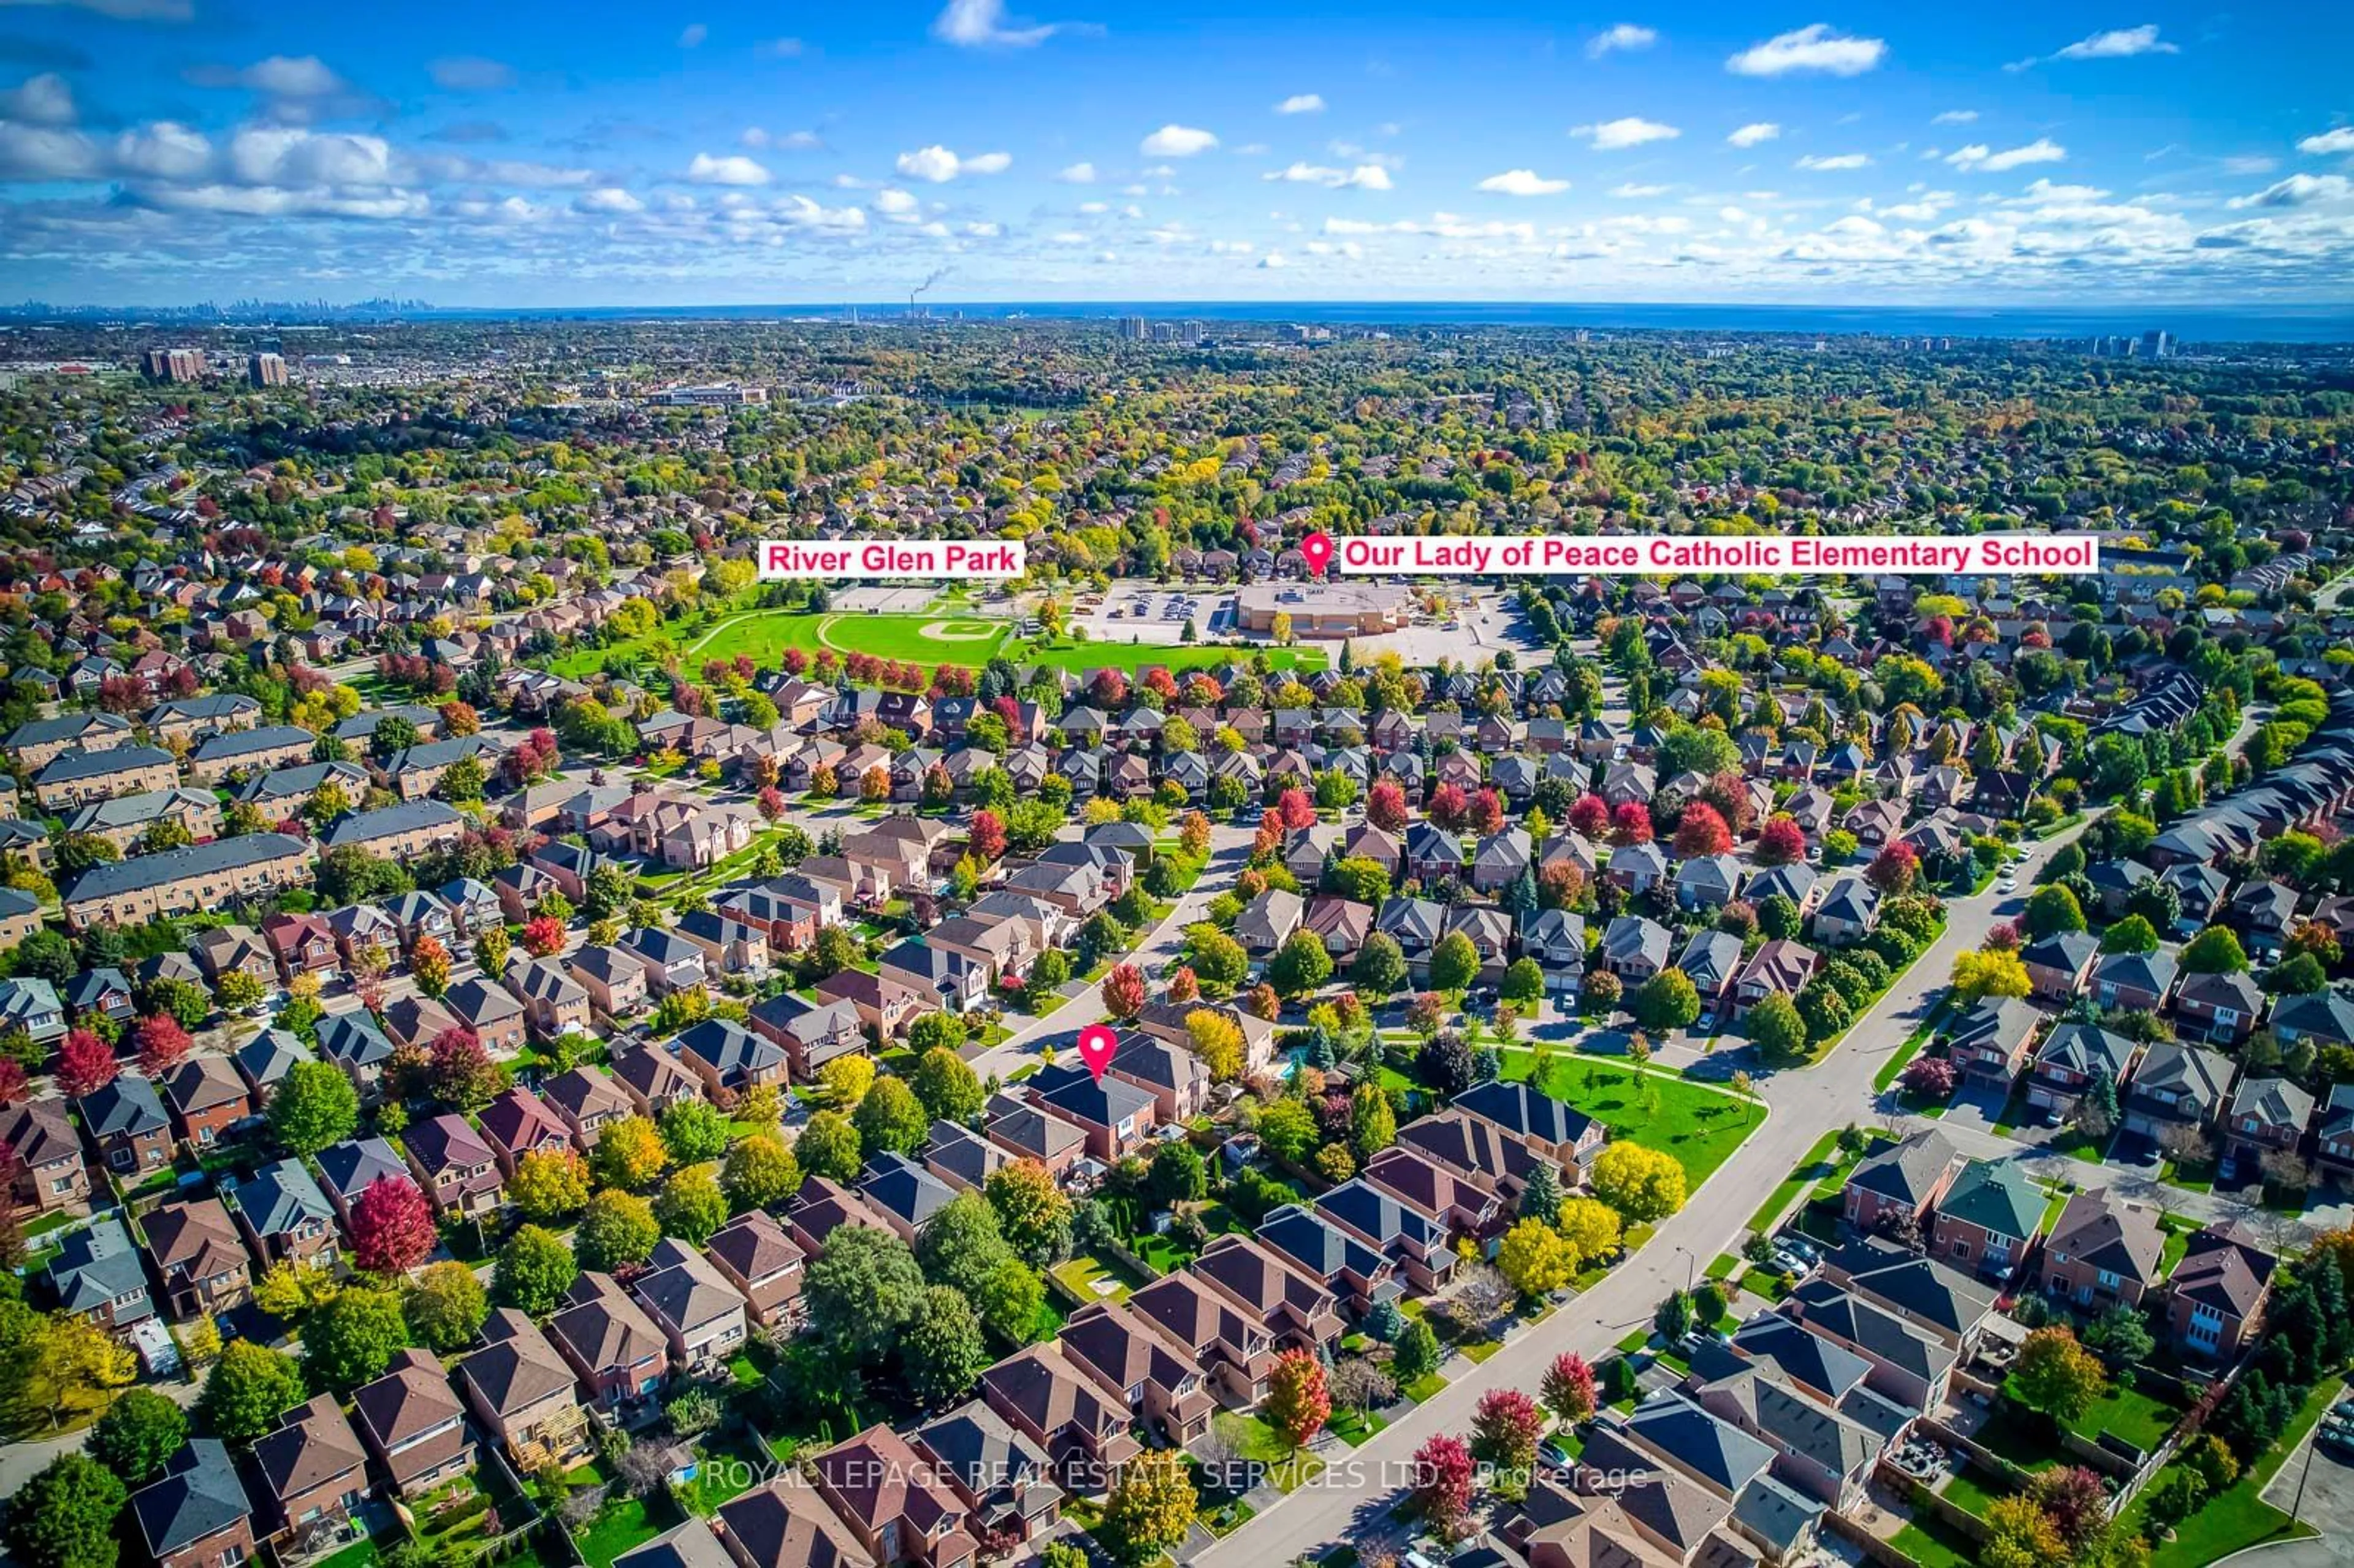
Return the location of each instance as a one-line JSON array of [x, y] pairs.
[[1988, 1218], [2216, 1296], [693, 1304], [902, 1514], [2103, 1252], [203, 1266], [621, 1355], [1900, 1185], [196, 1515], [523, 1392], [413, 1425], [312, 1475]]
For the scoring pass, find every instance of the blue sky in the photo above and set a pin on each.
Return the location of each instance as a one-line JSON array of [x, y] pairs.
[[526, 153]]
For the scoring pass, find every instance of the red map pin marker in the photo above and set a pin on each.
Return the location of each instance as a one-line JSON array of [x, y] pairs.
[[1317, 550], [1096, 1044]]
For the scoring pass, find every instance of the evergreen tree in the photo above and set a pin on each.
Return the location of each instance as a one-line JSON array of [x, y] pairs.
[[1541, 1199]]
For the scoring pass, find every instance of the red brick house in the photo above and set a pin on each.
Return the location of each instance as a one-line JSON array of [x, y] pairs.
[[2216, 1298]]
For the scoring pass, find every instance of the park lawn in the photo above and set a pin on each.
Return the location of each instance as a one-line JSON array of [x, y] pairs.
[[1176, 658], [2139, 1418], [1700, 1125], [766, 634]]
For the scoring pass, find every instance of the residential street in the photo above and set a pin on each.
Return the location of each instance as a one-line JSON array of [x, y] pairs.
[[1352, 1498], [1229, 847]]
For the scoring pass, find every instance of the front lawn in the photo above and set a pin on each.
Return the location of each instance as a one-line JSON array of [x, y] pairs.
[[1813, 1168], [1699, 1125], [1252, 1438], [1424, 1387], [1354, 1429]]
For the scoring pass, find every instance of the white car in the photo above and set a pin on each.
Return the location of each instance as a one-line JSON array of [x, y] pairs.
[[2008, 885]]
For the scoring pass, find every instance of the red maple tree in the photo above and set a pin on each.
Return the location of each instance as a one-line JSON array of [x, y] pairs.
[[392, 1226]]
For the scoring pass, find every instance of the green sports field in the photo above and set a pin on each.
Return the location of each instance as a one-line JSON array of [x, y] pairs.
[[927, 640]]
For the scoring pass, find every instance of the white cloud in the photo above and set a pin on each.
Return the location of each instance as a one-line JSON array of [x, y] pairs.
[[1978, 157], [1625, 35], [2300, 190], [1078, 175], [801, 212], [1751, 135], [1956, 117], [895, 203], [267, 201], [2250, 164], [2119, 43], [1364, 176], [979, 23], [2044, 193], [782, 50], [728, 170], [1633, 192], [33, 152], [791, 142], [982, 230], [1273, 261], [1176, 141], [939, 165], [2340, 139], [1301, 104], [1836, 161], [609, 198], [163, 151], [44, 100], [1813, 47], [471, 73], [280, 76], [1613, 135], [283, 155], [1522, 182], [691, 35]]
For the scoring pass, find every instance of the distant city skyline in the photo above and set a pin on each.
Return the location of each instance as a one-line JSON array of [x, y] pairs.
[[167, 152]]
